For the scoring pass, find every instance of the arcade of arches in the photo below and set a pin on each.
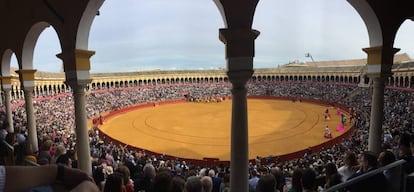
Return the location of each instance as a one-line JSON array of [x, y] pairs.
[[54, 83], [23, 21]]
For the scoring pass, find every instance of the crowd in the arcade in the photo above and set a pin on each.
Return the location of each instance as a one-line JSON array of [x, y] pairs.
[[136, 170]]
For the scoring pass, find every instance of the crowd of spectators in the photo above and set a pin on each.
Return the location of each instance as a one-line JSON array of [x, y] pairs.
[[137, 170]]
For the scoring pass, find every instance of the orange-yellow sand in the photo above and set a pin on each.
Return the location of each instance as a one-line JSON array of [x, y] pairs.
[[198, 130]]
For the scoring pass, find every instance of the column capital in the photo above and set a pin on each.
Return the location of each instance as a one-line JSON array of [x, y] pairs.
[[239, 78], [27, 77], [239, 42], [27, 74], [78, 84], [28, 89], [83, 59], [376, 55], [80, 57], [6, 82], [77, 66], [376, 77], [380, 60]]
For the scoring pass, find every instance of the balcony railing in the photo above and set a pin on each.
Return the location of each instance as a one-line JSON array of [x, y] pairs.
[[394, 184]]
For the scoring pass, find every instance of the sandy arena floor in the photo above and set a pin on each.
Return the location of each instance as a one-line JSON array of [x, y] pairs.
[[198, 130]]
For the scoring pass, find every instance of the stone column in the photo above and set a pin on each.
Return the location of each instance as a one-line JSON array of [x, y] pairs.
[[77, 67], [31, 120], [388, 80], [6, 85], [395, 82], [20, 93], [239, 155], [15, 93], [239, 53], [7, 97], [82, 137], [238, 38], [27, 79], [377, 114], [380, 60], [35, 91]]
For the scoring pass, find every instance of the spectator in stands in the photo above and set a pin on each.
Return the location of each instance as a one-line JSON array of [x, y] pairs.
[[348, 169], [61, 178], [296, 181], [404, 152], [386, 158], [24, 154], [375, 183], [64, 160], [99, 177], [411, 160], [59, 150], [145, 182], [107, 171], [128, 184], [309, 180], [412, 143], [253, 180], [109, 157], [207, 183], [266, 183], [225, 185], [162, 182], [332, 177], [44, 156], [215, 179], [280, 178], [114, 183], [177, 184], [73, 156], [193, 184]]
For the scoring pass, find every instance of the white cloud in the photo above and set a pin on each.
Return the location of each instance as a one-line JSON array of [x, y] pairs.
[[133, 35]]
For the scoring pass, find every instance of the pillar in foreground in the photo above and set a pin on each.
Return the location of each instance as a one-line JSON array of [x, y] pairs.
[[27, 77], [379, 62], [239, 155], [82, 137], [77, 67], [6, 86], [239, 39]]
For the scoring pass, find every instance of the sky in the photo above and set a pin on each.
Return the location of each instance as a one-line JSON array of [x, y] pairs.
[[140, 35]]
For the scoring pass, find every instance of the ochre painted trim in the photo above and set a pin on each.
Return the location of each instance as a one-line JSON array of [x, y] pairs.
[[83, 59], [6, 80], [27, 74], [374, 55]]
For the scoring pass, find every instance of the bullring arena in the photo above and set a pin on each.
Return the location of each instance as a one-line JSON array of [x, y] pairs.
[[163, 115], [286, 136], [202, 130]]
